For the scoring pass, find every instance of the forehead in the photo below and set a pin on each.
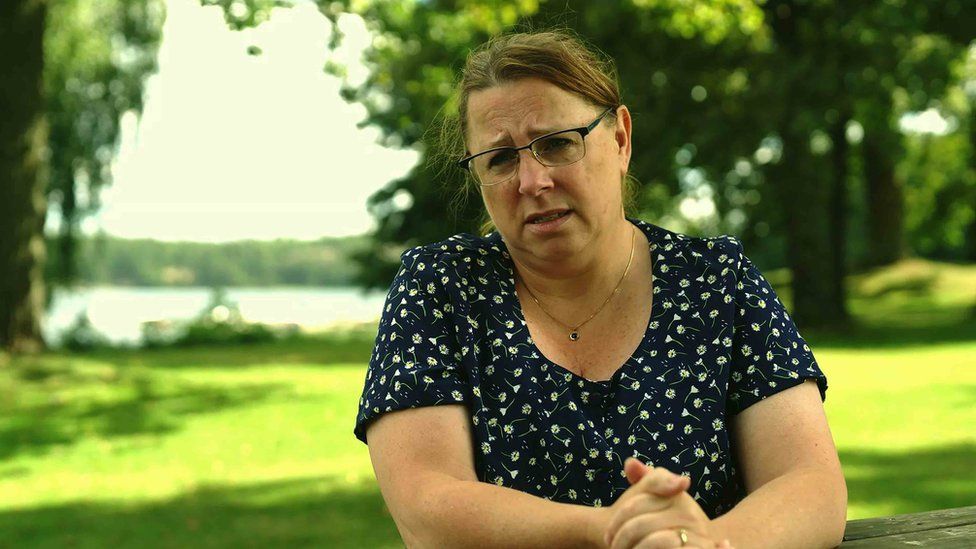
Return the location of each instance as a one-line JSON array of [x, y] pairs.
[[516, 111]]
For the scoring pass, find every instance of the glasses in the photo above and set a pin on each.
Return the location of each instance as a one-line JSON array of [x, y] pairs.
[[560, 148]]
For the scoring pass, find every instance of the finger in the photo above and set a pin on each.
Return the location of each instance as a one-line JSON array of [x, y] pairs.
[[671, 539], [672, 486], [641, 526], [661, 481], [640, 504], [633, 531], [635, 470]]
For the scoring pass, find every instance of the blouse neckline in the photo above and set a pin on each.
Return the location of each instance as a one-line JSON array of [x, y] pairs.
[[638, 357]]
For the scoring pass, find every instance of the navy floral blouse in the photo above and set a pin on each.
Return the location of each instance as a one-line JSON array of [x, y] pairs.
[[718, 341]]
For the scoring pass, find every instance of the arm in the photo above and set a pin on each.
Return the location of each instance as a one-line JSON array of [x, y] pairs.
[[797, 493], [424, 465]]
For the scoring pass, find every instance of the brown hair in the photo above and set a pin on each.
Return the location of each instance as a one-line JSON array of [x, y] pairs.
[[556, 56]]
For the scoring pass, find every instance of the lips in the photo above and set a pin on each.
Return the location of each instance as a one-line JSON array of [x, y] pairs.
[[548, 215]]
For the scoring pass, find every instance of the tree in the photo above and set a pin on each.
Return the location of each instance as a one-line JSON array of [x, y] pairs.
[[733, 98], [74, 67], [22, 137]]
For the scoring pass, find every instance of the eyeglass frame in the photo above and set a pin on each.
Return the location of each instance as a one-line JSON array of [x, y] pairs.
[[465, 163]]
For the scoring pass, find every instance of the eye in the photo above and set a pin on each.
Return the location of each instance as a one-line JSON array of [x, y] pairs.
[[553, 144], [501, 158]]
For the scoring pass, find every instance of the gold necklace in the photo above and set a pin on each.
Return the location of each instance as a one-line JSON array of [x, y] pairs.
[[574, 332]]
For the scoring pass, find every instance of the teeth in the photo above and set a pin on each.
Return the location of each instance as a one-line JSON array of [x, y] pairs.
[[548, 218]]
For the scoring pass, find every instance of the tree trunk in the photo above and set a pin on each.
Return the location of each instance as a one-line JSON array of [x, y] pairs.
[[804, 185], [805, 193], [971, 230], [885, 202], [23, 139], [838, 216]]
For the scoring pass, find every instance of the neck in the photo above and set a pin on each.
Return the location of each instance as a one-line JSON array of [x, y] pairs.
[[582, 280]]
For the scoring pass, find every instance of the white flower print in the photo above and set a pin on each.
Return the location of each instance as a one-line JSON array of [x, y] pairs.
[[451, 329]]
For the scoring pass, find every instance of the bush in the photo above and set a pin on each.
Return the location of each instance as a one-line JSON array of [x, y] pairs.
[[210, 332], [219, 323], [82, 336]]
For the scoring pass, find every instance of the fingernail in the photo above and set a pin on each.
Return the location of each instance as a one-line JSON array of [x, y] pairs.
[[673, 482]]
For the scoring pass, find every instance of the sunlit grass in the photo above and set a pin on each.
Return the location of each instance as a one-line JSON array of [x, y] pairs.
[[253, 446], [151, 449], [903, 421]]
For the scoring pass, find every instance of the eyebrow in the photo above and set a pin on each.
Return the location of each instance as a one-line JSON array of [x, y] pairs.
[[506, 140]]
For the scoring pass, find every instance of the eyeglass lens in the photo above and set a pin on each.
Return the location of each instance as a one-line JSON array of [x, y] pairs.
[[554, 150]]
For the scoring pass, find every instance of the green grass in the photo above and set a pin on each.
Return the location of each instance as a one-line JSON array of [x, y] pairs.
[[209, 447], [253, 446]]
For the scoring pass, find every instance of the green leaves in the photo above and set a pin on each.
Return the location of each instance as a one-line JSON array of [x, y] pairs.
[[98, 54]]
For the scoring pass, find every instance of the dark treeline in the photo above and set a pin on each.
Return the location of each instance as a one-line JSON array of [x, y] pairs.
[[144, 262]]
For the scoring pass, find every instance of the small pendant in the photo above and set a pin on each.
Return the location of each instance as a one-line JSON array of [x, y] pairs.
[[574, 335]]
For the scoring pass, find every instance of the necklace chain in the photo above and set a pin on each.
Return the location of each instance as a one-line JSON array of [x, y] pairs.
[[574, 331]]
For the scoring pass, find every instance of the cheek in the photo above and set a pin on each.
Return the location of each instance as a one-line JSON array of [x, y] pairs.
[[601, 158], [604, 167], [497, 200], [603, 178]]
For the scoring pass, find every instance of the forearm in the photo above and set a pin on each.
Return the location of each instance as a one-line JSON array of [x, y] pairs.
[[478, 514], [803, 509]]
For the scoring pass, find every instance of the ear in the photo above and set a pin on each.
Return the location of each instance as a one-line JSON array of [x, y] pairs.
[[622, 136]]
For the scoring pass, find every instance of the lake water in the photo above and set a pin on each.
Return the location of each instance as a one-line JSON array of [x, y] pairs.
[[118, 312]]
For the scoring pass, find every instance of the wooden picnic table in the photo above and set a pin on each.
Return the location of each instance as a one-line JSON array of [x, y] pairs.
[[949, 528]]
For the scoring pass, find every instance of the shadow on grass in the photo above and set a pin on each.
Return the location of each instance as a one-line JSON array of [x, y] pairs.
[[912, 481], [319, 512], [306, 512], [141, 406], [861, 336]]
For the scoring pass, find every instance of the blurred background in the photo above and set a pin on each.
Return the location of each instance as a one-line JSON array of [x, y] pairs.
[[202, 204]]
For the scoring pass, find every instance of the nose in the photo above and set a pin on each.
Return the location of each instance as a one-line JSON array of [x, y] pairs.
[[533, 177]]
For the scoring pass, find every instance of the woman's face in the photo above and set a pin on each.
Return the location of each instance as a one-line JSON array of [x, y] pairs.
[[587, 191]]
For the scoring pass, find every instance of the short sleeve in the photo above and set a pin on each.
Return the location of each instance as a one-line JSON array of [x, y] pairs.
[[768, 353], [416, 359]]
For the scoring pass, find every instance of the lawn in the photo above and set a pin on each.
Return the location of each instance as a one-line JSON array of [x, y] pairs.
[[253, 447], [247, 447]]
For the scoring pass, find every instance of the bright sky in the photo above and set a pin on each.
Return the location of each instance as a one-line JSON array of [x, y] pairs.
[[232, 146]]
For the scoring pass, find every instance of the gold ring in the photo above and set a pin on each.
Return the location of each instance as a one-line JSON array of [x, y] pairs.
[[683, 534]]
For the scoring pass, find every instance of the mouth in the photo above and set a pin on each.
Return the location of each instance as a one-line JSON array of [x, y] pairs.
[[543, 217]]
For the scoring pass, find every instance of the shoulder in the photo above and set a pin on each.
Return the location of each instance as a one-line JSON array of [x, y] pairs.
[[456, 247], [721, 252], [454, 257]]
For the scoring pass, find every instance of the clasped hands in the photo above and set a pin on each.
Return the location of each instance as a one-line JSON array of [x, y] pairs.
[[654, 509]]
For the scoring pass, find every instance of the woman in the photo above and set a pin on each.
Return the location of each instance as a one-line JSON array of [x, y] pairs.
[[578, 378]]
